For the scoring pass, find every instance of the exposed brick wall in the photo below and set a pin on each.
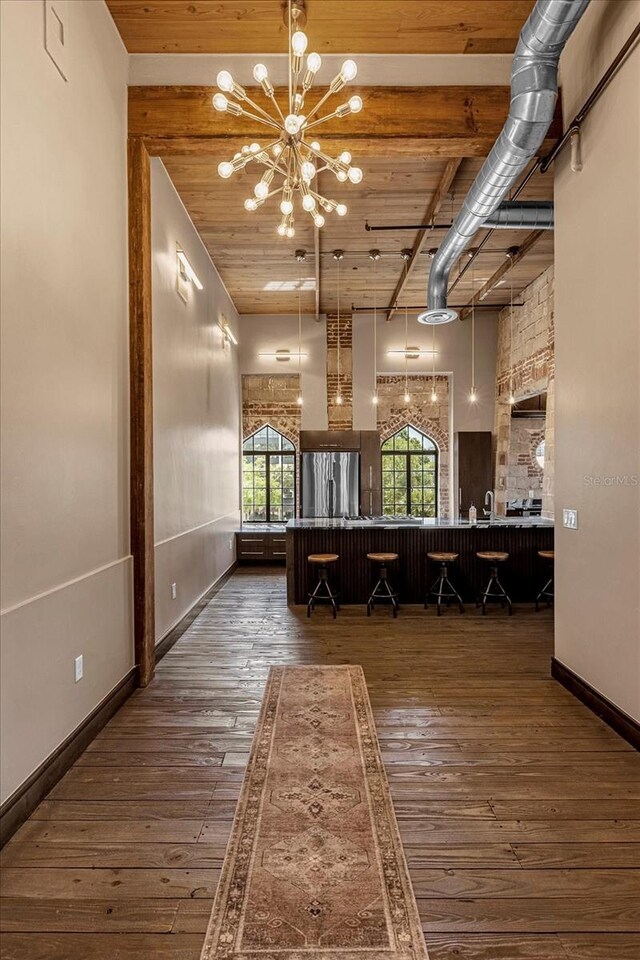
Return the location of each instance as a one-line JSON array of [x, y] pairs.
[[431, 418], [531, 371], [525, 473], [271, 400], [340, 415]]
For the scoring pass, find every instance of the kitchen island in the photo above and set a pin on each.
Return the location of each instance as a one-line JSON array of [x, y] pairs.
[[412, 539]]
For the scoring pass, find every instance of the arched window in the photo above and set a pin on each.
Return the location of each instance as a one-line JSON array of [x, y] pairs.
[[268, 477], [410, 474]]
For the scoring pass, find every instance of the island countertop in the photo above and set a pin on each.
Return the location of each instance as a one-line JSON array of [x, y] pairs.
[[412, 539], [427, 523]]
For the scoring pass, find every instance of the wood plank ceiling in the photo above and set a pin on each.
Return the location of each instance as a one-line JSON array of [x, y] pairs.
[[338, 26], [401, 177]]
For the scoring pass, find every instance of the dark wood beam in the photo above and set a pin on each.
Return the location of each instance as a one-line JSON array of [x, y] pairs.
[[141, 415], [459, 121], [530, 241], [432, 210]]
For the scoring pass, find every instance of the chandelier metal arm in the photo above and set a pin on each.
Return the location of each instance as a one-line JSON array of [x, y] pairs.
[[290, 156]]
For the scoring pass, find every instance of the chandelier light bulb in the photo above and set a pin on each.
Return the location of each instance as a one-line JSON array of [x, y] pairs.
[[339, 400], [299, 400], [349, 70], [292, 124], [225, 81], [299, 43], [473, 396], [260, 72], [512, 400], [220, 102], [374, 399], [434, 396], [308, 170], [290, 163], [407, 398]]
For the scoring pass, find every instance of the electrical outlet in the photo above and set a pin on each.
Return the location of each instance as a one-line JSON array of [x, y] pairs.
[[570, 519], [78, 666], [174, 591]]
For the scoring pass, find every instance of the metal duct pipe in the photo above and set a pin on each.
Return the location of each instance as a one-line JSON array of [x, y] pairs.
[[527, 215], [534, 88]]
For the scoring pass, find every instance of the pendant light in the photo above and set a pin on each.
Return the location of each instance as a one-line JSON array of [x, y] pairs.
[[300, 257], [375, 256], [434, 395], [338, 255], [406, 256], [473, 394], [512, 398]]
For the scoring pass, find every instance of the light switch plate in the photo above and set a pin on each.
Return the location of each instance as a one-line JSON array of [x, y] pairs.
[[78, 668], [570, 519], [56, 34]]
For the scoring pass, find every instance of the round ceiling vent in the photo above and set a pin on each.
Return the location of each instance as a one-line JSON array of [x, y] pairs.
[[441, 315]]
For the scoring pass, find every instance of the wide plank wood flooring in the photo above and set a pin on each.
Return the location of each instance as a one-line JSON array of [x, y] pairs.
[[519, 810]]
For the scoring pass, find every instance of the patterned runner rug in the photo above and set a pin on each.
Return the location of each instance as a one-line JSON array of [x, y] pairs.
[[315, 863]]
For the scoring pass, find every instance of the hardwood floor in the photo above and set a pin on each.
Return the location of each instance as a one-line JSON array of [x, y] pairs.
[[519, 810]]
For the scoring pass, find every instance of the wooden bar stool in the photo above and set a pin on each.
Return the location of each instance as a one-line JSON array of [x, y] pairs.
[[442, 588], [494, 589], [383, 589], [323, 592], [547, 591]]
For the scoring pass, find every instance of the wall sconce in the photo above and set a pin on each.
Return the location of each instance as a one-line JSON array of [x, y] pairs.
[[185, 273], [282, 356], [411, 353], [227, 333]]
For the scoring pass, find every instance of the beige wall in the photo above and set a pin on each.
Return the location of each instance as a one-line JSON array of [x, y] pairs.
[[598, 365], [266, 333], [196, 390], [66, 573]]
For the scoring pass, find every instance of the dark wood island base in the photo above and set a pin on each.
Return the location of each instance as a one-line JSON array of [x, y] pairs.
[[522, 574]]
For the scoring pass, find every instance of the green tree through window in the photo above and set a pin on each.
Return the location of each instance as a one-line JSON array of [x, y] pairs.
[[268, 477], [410, 474]]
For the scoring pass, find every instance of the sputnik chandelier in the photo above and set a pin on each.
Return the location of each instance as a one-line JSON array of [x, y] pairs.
[[291, 156]]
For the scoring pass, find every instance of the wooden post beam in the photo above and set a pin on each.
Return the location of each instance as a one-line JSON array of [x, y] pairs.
[[457, 121], [436, 202], [141, 410], [530, 240]]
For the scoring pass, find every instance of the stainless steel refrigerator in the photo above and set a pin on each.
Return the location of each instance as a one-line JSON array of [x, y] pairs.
[[330, 484]]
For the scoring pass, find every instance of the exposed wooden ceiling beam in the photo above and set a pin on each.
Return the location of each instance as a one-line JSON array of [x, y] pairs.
[[436, 202], [530, 240], [460, 121]]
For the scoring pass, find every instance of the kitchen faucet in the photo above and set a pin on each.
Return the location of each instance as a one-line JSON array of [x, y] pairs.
[[490, 500]]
